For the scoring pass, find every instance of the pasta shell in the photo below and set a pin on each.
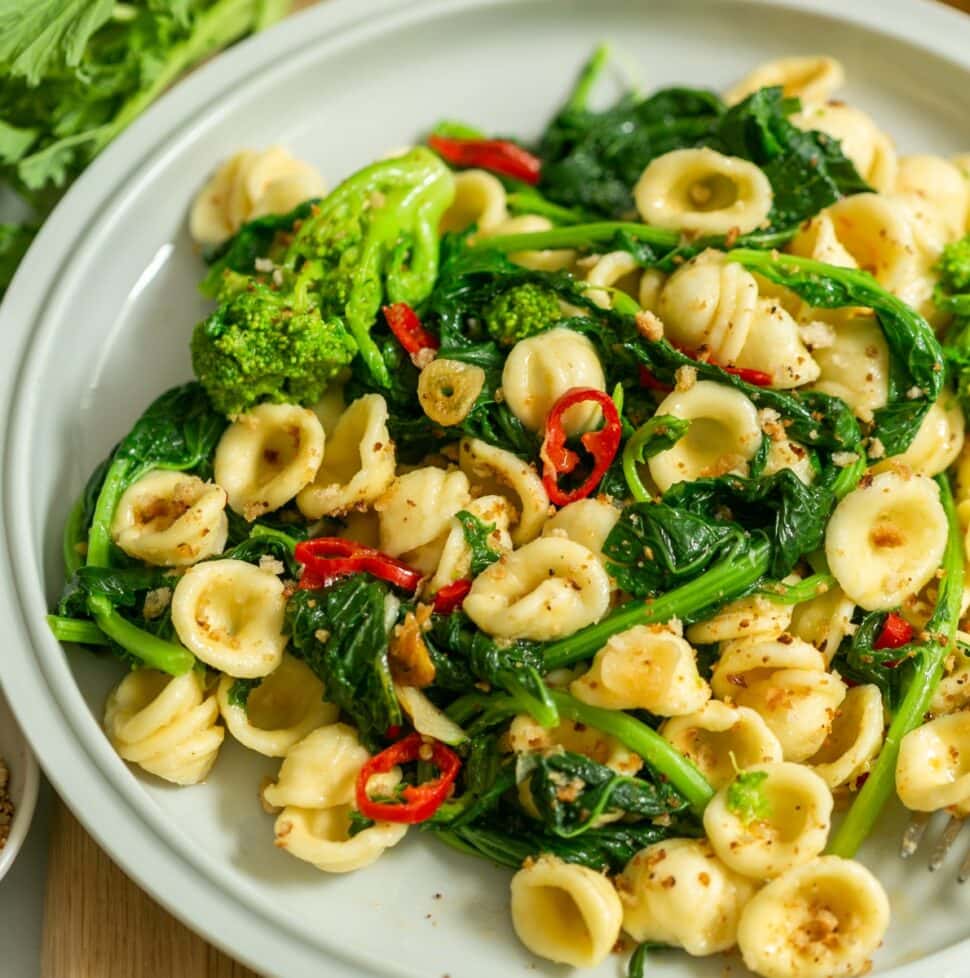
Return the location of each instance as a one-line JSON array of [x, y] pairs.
[[812, 77], [855, 737], [933, 768]]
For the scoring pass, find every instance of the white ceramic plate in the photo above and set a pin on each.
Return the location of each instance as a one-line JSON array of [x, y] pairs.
[[22, 784], [97, 324]]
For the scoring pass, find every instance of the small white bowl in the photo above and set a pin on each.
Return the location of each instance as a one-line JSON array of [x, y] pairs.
[[22, 786]]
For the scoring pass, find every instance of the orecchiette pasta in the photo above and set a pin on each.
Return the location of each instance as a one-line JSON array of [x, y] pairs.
[[718, 734], [526, 736], [167, 725], [933, 768], [744, 618], [616, 270], [565, 912], [545, 590], [824, 620], [936, 185], [286, 706], [171, 519], [791, 829], [886, 538], [644, 668], [319, 771], [491, 469], [785, 681], [855, 365], [953, 693], [540, 369], [267, 456], [937, 443], [723, 436], [358, 462], [820, 920], [249, 185], [855, 737], [869, 148], [455, 559], [704, 192], [230, 614], [811, 78], [479, 200], [417, 509], [678, 892], [586, 521]]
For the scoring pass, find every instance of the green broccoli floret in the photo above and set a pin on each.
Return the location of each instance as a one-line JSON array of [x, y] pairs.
[[260, 345], [954, 266], [521, 311]]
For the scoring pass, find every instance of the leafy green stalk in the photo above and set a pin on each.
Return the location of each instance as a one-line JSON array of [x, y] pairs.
[[477, 535], [76, 630], [651, 438], [804, 590], [924, 677], [152, 651], [729, 579]]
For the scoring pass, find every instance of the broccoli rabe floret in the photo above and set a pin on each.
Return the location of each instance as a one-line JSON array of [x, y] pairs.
[[954, 266], [258, 347], [520, 312]]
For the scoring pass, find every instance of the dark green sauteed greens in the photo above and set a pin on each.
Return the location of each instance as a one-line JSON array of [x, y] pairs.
[[577, 479]]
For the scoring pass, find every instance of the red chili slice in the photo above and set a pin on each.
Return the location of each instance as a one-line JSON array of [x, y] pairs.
[[497, 155], [417, 802], [895, 633], [404, 324], [326, 559], [451, 596], [602, 445]]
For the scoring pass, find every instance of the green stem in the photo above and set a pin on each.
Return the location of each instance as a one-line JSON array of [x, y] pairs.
[[928, 668], [722, 582], [116, 481], [76, 630], [588, 76], [530, 202], [663, 757], [153, 651]]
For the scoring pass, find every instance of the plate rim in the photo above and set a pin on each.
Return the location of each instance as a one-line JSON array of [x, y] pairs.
[[45, 691]]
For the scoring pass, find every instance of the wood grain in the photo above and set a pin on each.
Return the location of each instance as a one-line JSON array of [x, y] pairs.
[[98, 924]]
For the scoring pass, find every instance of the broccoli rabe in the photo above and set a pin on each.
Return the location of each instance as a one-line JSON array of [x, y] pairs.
[[261, 345], [521, 312], [954, 266]]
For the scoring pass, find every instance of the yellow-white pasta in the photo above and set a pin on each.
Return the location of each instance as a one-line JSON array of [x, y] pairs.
[[886, 539], [723, 436], [479, 201], [544, 260], [709, 302], [869, 148], [790, 829], [455, 560], [962, 163], [718, 736], [824, 620], [267, 455], [644, 668], [586, 521], [652, 282], [820, 920], [936, 186], [953, 693], [811, 78], [678, 892], [417, 509], [775, 347], [168, 725], [491, 469], [937, 443], [616, 270], [744, 618], [703, 192], [540, 369], [526, 736], [565, 912], [248, 185], [319, 771], [230, 614], [171, 519], [855, 737], [545, 590], [785, 681], [933, 768], [286, 706], [322, 837], [358, 462], [855, 365]]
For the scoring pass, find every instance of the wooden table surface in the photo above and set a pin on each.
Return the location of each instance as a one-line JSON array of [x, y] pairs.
[[98, 924]]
